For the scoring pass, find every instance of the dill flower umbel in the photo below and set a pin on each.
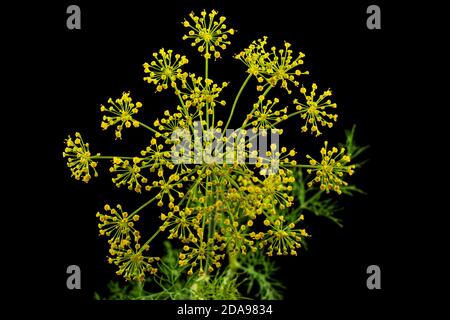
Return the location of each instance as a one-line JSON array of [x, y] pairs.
[[234, 201], [209, 35], [79, 158], [266, 115], [283, 67], [165, 69], [132, 262], [118, 226], [198, 92], [182, 224], [128, 173], [330, 170], [283, 238], [316, 111], [274, 66], [120, 112], [255, 57]]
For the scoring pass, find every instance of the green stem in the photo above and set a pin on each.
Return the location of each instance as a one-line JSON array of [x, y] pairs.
[[147, 127], [142, 207], [206, 63], [150, 240], [289, 116], [185, 110], [209, 225], [206, 78], [110, 157], [212, 223], [201, 122], [181, 101], [302, 187], [233, 266], [307, 166], [236, 100], [311, 199]]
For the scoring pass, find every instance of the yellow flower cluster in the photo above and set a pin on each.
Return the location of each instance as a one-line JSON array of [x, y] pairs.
[[125, 250], [265, 116], [156, 158], [273, 66], [209, 35], [330, 170], [132, 262], [213, 208], [284, 238], [255, 57], [198, 92], [170, 123], [118, 226], [79, 158], [199, 255], [315, 111], [274, 159], [120, 112], [221, 215], [165, 69], [129, 173]]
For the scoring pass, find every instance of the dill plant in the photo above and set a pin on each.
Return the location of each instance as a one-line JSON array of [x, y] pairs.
[[224, 219]]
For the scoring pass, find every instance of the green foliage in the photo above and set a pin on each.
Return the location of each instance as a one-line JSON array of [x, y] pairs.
[[259, 273]]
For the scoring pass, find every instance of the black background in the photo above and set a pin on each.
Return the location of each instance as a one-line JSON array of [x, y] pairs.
[[74, 71]]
